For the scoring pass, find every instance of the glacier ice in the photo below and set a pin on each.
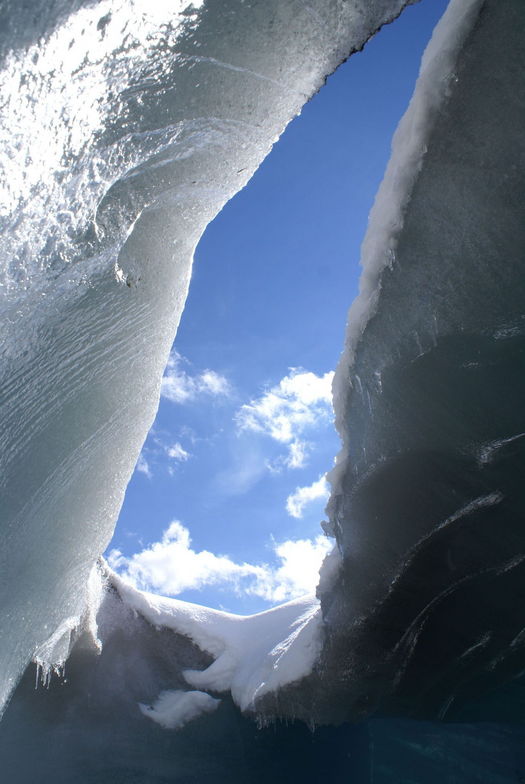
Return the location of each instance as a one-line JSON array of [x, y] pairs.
[[427, 500], [422, 602], [126, 125]]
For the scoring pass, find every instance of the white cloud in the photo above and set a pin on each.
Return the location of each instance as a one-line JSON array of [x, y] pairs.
[[143, 466], [299, 571], [177, 452], [181, 387], [299, 402], [213, 383], [297, 454], [302, 496], [171, 566]]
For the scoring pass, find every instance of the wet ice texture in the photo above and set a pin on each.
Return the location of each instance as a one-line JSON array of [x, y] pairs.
[[125, 126], [428, 502]]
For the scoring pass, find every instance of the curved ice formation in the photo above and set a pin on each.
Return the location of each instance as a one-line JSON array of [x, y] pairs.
[[125, 127], [423, 615]]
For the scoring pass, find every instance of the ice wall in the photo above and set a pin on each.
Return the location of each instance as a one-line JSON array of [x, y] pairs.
[[428, 503], [125, 126]]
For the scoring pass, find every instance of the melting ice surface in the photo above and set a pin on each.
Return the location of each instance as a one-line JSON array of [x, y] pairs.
[[125, 128]]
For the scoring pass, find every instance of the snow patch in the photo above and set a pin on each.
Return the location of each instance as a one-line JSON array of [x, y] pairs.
[[173, 709], [254, 654]]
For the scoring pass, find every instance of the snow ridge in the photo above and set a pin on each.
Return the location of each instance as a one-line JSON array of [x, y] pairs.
[[386, 219], [254, 654]]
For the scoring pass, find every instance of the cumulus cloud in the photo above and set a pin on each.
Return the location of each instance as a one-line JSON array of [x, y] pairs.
[[172, 566], [177, 452], [302, 496], [300, 402], [298, 574], [143, 466], [180, 386], [297, 454]]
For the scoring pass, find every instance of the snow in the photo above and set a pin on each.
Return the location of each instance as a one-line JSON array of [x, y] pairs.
[[254, 654], [387, 215], [173, 709]]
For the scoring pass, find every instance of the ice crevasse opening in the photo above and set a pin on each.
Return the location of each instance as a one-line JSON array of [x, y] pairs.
[[188, 101], [144, 119]]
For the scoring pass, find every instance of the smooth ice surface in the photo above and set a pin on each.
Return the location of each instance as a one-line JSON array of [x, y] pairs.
[[125, 127]]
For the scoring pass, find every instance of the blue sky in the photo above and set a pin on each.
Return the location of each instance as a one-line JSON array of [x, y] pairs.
[[225, 505]]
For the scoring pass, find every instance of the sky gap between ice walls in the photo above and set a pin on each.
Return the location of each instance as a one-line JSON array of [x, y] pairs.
[[126, 126]]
